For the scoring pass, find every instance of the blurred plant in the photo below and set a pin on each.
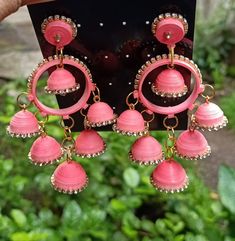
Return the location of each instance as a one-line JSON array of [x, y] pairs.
[[227, 104], [214, 40], [119, 203]]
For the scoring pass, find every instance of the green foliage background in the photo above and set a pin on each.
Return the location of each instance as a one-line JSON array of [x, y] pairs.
[[119, 204]]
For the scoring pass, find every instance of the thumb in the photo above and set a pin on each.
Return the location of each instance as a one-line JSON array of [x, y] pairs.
[[29, 2], [9, 7]]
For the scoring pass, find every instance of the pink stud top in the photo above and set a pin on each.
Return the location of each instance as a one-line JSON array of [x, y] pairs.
[[61, 79], [23, 122], [99, 112], [131, 120], [61, 29], [89, 142], [191, 143], [209, 114], [173, 27], [169, 28], [146, 148]]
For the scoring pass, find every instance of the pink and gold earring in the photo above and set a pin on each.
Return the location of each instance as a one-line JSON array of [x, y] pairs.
[[131, 122], [89, 143], [24, 123], [170, 82], [69, 177], [208, 115], [60, 31], [169, 175], [45, 149], [99, 113]]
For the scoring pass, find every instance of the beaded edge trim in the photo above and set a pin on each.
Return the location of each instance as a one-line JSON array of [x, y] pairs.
[[69, 191], [170, 95], [166, 16], [12, 134], [185, 186], [61, 18], [62, 92], [49, 162], [129, 133], [102, 123], [146, 163], [206, 154], [82, 155], [222, 124]]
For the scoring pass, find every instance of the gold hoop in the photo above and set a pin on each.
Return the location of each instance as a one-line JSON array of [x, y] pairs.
[[152, 116], [131, 105], [211, 88], [169, 126], [44, 121], [22, 106], [82, 113], [67, 127], [96, 97], [69, 139], [98, 91]]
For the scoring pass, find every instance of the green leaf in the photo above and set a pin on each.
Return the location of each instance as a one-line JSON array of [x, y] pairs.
[[191, 237], [20, 236], [131, 177], [179, 237], [148, 226], [99, 234], [229, 239], [19, 217], [160, 226], [7, 165], [38, 235], [130, 232], [129, 219], [226, 187], [118, 236], [71, 213], [118, 205], [47, 218]]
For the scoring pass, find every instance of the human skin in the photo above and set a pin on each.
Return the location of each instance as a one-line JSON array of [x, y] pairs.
[[8, 7]]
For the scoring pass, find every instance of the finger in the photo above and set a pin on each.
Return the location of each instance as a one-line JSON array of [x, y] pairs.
[[9, 7], [29, 2]]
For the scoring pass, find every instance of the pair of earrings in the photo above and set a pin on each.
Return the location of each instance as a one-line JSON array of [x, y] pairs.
[[168, 83]]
